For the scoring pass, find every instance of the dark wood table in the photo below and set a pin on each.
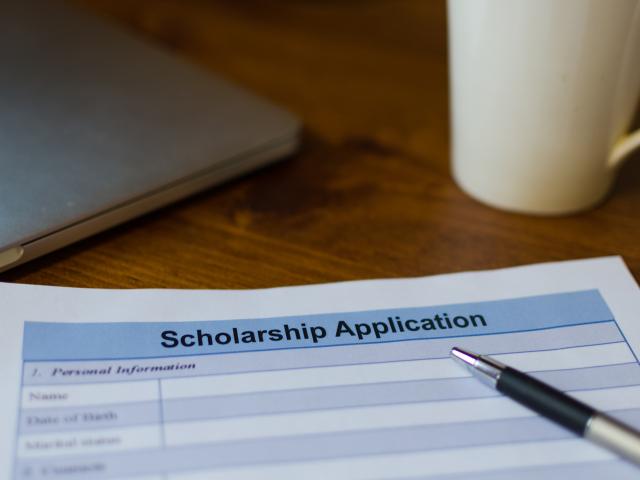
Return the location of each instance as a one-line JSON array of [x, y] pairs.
[[369, 195]]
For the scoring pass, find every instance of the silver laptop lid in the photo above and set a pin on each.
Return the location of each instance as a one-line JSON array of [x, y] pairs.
[[91, 117]]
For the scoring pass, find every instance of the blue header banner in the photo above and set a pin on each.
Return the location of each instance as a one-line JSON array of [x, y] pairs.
[[46, 341]]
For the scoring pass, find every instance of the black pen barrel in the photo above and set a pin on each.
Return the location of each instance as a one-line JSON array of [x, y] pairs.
[[545, 400], [553, 404]]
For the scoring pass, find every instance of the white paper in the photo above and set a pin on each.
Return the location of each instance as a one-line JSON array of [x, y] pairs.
[[195, 384]]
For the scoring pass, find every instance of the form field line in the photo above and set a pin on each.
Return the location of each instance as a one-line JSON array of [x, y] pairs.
[[376, 417], [317, 377], [422, 464]]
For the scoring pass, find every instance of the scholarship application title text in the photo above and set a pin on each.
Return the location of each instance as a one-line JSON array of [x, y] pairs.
[[302, 332]]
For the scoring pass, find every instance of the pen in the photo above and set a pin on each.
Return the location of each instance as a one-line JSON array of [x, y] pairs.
[[576, 416]]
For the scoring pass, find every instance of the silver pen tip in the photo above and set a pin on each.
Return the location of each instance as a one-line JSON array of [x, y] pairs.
[[485, 368], [468, 358]]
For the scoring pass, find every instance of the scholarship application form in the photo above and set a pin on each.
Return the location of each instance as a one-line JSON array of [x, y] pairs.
[[342, 381]]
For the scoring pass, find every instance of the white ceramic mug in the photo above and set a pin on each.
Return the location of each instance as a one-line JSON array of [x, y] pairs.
[[543, 93]]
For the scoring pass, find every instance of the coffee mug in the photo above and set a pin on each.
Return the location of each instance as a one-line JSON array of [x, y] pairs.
[[543, 93]]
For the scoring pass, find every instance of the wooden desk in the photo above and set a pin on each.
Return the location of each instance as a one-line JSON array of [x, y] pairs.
[[368, 196]]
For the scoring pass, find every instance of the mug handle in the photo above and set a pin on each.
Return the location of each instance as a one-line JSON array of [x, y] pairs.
[[623, 148]]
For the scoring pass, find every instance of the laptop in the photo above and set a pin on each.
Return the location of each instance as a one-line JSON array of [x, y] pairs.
[[98, 126]]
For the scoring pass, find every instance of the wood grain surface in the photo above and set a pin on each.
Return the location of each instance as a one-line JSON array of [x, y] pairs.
[[369, 195]]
